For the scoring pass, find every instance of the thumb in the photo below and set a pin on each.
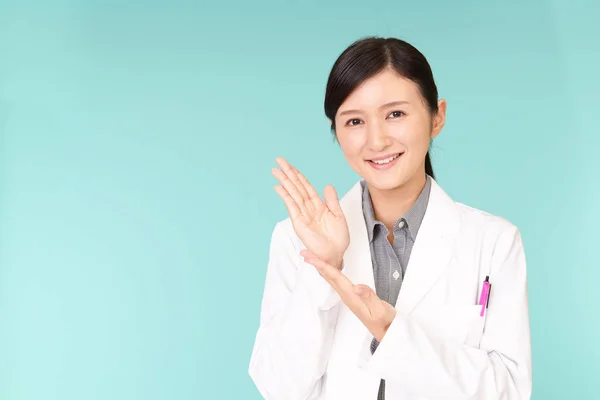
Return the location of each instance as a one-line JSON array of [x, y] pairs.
[[379, 309], [331, 200], [367, 295]]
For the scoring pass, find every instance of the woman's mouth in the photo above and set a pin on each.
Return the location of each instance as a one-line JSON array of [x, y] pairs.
[[385, 163]]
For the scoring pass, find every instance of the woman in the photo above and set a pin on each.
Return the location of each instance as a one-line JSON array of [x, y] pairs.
[[396, 291]]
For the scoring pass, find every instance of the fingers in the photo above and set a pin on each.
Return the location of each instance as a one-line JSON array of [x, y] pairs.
[[338, 281], [333, 275], [307, 254], [291, 183], [379, 310], [362, 290], [289, 202], [331, 199], [312, 193], [370, 299], [292, 174], [310, 255], [290, 188], [374, 313]]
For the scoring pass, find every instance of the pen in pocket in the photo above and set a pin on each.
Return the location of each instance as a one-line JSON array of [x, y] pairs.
[[484, 299]]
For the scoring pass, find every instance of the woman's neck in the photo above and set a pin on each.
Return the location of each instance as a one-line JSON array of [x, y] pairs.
[[390, 205]]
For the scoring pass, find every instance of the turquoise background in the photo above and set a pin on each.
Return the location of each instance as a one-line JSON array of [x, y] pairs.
[[136, 200]]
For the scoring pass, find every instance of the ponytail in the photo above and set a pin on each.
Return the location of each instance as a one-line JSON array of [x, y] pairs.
[[428, 167]]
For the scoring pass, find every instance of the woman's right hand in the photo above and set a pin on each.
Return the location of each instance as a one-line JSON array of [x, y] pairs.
[[321, 226]]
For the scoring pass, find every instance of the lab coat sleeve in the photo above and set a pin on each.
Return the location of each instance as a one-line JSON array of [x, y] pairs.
[[500, 368], [298, 314]]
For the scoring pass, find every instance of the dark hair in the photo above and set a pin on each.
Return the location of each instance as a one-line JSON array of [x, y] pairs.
[[369, 56]]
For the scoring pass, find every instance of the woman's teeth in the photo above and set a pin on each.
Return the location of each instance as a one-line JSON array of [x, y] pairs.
[[387, 160]]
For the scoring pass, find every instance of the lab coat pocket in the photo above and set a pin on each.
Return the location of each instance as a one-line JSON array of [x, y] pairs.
[[462, 323]]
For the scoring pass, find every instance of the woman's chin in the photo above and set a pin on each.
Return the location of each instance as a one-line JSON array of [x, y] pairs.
[[384, 182]]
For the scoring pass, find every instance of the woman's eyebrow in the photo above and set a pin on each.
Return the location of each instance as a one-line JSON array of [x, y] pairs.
[[394, 103], [390, 104]]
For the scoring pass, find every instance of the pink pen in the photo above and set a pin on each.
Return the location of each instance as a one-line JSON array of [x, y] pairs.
[[485, 295]]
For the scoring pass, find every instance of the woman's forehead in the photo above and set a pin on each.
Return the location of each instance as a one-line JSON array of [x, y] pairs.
[[383, 88]]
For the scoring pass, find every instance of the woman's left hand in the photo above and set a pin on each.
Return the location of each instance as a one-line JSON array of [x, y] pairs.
[[374, 313]]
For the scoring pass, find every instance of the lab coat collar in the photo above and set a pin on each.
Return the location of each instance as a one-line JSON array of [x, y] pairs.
[[431, 251]]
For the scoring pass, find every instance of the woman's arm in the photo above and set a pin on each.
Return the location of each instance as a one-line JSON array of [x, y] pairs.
[[298, 314], [499, 369]]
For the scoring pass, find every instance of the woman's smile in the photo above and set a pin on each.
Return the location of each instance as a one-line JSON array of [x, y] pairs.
[[385, 162]]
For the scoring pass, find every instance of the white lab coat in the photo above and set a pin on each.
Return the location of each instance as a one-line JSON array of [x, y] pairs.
[[311, 346]]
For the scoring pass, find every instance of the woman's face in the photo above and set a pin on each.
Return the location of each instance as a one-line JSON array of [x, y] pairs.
[[384, 129]]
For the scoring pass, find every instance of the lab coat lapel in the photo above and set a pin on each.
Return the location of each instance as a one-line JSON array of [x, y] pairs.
[[432, 249], [358, 266]]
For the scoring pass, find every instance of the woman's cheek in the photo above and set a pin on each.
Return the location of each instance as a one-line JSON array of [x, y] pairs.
[[415, 138], [352, 144]]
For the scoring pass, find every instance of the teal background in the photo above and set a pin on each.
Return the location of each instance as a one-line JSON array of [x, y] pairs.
[[136, 200]]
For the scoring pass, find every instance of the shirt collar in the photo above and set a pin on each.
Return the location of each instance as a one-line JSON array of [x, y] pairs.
[[413, 217]]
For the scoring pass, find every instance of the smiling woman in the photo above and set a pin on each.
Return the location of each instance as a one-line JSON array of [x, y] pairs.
[[387, 293]]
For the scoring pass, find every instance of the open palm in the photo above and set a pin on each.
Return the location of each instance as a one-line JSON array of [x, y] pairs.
[[320, 225]]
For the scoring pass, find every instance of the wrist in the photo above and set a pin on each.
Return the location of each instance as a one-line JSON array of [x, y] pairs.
[[338, 262]]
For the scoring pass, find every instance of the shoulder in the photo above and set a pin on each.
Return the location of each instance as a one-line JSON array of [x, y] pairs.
[[476, 226], [480, 219], [495, 233]]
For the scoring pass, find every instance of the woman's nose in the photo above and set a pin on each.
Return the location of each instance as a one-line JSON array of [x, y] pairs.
[[378, 139]]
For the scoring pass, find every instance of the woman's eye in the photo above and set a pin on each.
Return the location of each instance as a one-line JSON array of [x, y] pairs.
[[354, 121], [396, 114]]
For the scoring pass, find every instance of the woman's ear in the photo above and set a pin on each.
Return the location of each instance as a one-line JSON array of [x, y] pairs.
[[439, 118]]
